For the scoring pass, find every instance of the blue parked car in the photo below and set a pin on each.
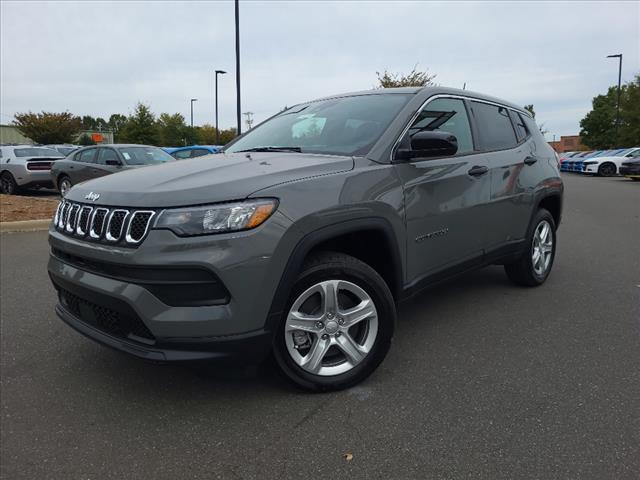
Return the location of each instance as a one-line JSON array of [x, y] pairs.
[[192, 151], [567, 165], [578, 164]]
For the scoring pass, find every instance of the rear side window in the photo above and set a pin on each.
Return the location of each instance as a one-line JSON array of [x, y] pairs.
[[86, 156], [522, 131], [494, 126], [446, 115]]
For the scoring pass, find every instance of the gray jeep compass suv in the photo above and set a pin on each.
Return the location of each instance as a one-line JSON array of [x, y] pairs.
[[307, 231]]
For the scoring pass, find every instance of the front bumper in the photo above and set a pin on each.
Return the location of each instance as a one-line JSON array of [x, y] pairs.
[[108, 306], [630, 171]]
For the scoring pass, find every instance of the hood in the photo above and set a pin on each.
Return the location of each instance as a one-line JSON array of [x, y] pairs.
[[206, 179]]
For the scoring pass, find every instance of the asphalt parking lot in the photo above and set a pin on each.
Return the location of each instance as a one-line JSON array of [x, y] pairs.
[[484, 380]]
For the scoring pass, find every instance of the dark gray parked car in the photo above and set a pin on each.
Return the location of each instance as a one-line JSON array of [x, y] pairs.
[[92, 162], [301, 238]]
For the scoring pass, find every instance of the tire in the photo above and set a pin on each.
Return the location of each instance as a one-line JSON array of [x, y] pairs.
[[8, 184], [357, 285], [64, 185], [607, 170], [526, 271]]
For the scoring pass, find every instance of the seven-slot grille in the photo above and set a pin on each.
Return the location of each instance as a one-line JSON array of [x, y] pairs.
[[101, 224]]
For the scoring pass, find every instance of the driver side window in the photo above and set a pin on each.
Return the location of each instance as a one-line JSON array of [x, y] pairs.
[[446, 115]]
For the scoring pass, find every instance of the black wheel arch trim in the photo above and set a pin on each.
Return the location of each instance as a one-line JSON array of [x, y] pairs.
[[315, 238]]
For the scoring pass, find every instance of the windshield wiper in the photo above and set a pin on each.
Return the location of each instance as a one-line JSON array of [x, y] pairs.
[[271, 149]]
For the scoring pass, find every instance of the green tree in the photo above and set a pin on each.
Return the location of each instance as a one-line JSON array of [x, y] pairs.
[[88, 122], [208, 134], [227, 135], [140, 127], [629, 132], [171, 130], [598, 127], [414, 78], [47, 127], [541, 127], [85, 139]]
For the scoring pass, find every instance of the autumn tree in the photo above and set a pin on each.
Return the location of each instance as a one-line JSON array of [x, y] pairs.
[[414, 78], [47, 127]]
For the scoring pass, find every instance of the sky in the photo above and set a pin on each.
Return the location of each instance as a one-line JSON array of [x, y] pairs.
[[98, 58]]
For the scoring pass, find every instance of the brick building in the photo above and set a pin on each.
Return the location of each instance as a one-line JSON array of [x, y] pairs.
[[568, 143]]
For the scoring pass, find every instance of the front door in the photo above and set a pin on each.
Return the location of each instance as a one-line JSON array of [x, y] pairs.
[[445, 197], [107, 162]]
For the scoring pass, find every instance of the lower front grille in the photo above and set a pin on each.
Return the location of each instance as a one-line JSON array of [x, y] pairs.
[[106, 319]]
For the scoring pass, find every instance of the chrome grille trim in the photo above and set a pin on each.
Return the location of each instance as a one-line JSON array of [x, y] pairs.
[[116, 226], [92, 233], [72, 218], [108, 235], [79, 230], [56, 217], [128, 238]]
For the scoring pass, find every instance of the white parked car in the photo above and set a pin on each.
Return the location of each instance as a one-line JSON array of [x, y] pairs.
[[26, 166], [609, 164]]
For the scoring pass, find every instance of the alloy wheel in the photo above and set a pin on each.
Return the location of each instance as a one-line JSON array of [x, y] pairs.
[[331, 327], [542, 248], [65, 186]]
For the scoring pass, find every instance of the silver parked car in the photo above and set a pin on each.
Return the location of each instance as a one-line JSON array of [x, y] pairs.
[[98, 161], [26, 166], [64, 149]]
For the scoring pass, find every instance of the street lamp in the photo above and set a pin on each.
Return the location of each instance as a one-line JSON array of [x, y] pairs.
[[218, 72], [619, 57], [238, 115], [192, 100]]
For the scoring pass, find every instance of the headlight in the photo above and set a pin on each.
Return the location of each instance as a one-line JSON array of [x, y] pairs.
[[220, 218]]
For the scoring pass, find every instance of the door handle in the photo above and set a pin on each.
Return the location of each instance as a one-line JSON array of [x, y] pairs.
[[530, 160], [478, 170]]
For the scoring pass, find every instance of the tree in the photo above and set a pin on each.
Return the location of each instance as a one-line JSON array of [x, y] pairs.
[[140, 127], [227, 135], [208, 134], [85, 140], [413, 79], [47, 127], [598, 127], [171, 129]]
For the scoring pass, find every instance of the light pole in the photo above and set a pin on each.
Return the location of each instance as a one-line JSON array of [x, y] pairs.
[[192, 100], [218, 72], [238, 115], [619, 57]]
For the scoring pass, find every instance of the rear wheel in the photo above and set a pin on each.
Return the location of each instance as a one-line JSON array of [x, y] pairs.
[[8, 184], [534, 266], [64, 185], [338, 324], [607, 170]]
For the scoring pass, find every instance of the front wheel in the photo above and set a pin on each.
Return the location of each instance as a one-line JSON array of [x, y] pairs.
[[607, 170], [534, 266], [338, 324]]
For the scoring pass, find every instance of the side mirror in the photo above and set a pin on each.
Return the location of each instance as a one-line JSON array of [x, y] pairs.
[[428, 144], [114, 163]]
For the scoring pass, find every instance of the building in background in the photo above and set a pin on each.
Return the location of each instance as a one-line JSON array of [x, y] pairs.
[[568, 143], [10, 134]]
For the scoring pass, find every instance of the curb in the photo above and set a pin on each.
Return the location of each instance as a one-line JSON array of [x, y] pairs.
[[25, 226]]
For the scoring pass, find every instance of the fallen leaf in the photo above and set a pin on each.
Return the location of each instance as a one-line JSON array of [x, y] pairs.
[[347, 456]]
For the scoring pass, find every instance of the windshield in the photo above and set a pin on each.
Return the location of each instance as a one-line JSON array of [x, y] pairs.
[[36, 152], [339, 126], [144, 155]]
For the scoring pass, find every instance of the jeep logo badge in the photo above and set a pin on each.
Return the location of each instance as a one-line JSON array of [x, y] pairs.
[[92, 196]]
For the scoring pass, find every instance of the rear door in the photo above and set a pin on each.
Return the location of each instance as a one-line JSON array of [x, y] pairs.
[[444, 196], [510, 152], [81, 168]]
